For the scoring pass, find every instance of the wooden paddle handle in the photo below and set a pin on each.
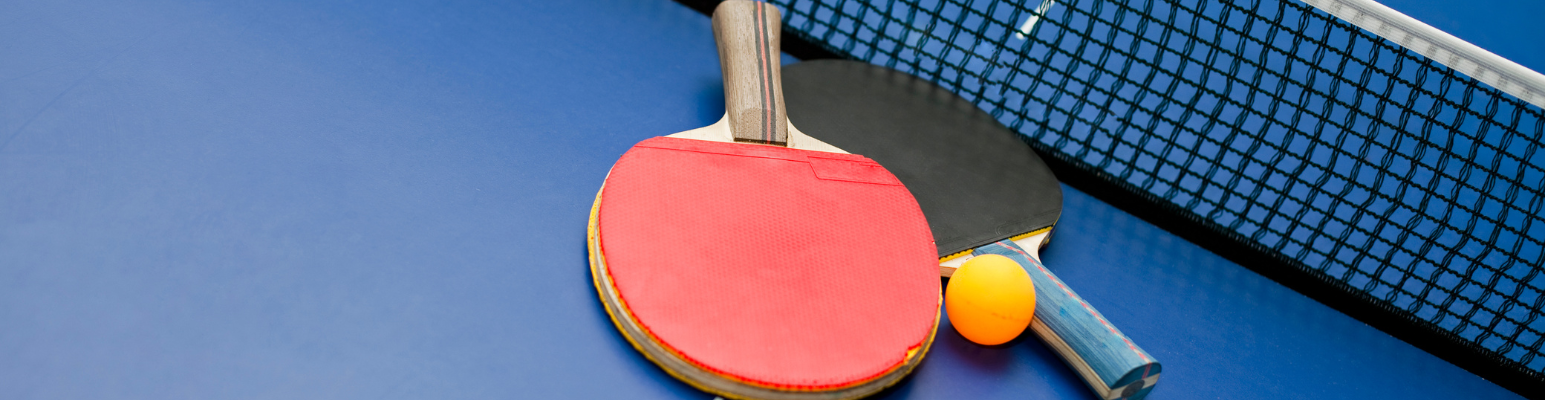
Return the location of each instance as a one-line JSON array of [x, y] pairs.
[[1107, 360], [747, 33]]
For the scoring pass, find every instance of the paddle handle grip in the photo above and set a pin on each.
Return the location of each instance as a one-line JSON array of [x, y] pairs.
[[747, 35], [1107, 360]]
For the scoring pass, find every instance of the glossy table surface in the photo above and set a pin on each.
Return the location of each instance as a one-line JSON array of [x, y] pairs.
[[388, 200]]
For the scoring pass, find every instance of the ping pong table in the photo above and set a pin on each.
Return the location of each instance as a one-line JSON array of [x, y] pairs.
[[388, 199]]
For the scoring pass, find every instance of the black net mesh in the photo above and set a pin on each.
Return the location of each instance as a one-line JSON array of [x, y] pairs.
[[1365, 164]]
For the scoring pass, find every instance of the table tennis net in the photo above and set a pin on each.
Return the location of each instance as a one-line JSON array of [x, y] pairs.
[[1375, 170]]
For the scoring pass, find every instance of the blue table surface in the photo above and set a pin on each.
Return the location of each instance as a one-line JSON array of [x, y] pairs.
[[387, 199]]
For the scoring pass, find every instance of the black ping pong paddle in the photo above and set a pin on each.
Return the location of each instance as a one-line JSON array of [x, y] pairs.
[[982, 189]]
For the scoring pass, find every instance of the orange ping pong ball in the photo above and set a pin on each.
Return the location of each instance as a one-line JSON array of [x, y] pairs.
[[990, 299]]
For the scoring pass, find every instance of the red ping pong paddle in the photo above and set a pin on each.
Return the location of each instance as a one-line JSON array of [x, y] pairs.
[[753, 261]]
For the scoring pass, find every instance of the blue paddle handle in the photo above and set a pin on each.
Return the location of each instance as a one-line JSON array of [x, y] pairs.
[[1108, 360]]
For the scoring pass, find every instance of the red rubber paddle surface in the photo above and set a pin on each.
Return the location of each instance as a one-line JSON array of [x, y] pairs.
[[779, 267]]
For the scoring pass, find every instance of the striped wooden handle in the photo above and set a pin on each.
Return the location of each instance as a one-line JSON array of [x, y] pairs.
[[747, 34], [1107, 360]]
